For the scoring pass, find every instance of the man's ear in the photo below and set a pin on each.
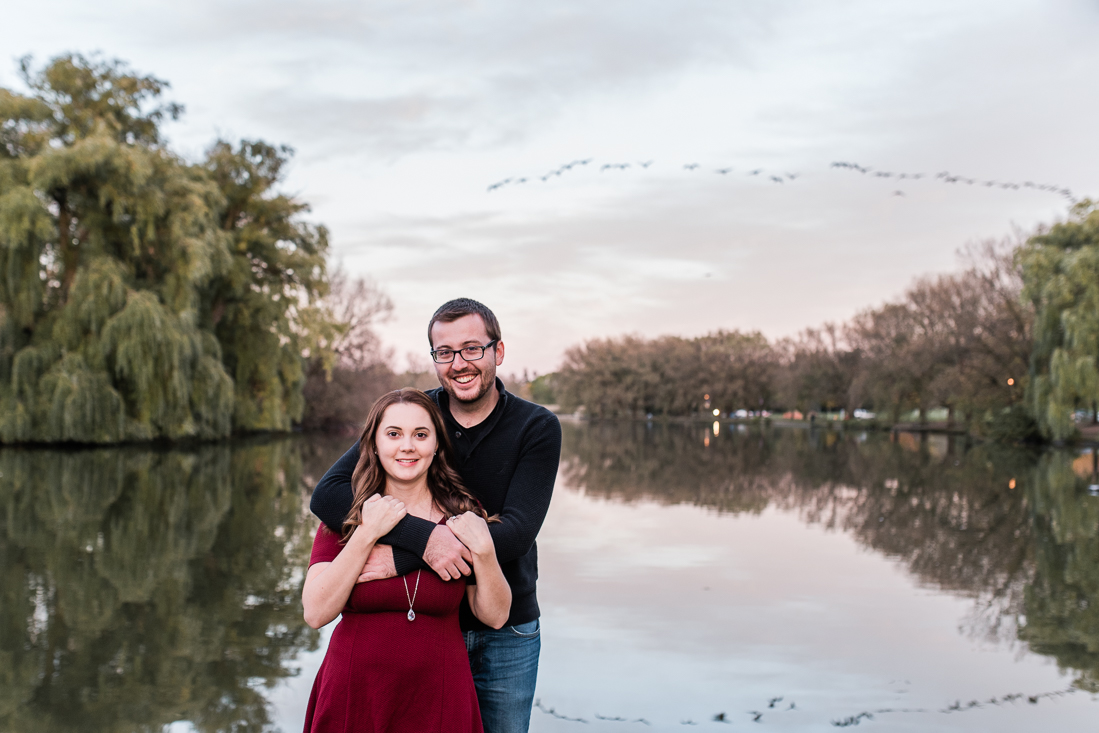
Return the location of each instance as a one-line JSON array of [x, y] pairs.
[[499, 353]]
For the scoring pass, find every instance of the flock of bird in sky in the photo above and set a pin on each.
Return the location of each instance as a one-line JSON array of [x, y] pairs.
[[783, 178], [948, 177]]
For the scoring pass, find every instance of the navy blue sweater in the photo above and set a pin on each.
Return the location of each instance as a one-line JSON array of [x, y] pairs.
[[509, 462]]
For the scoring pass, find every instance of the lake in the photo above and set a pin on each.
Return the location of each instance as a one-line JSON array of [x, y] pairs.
[[710, 576]]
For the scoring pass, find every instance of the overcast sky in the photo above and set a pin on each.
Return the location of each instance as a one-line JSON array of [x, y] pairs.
[[403, 113]]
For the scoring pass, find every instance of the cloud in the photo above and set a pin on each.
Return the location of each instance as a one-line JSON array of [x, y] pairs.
[[385, 128], [410, 76], [404, 112]]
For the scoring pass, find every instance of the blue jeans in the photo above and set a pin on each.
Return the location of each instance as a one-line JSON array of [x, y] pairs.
[[505, 671]]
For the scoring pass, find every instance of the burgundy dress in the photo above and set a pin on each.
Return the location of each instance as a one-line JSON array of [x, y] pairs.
[[385, 674]]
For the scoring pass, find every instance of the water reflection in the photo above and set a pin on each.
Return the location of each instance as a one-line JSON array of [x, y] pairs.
[[143, 587], [1016, 531], [1062, 604]]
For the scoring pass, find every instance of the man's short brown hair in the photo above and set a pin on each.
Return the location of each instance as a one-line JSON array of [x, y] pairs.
[[452, 310]]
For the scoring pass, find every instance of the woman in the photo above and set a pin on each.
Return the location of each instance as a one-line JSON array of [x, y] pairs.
[[397, 659]]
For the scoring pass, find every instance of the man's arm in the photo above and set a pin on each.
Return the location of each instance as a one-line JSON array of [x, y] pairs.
[[331, 502], [529, 493], [524, 509], [332, 495]]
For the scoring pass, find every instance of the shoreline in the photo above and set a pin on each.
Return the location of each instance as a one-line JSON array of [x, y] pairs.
[[1086, 440]]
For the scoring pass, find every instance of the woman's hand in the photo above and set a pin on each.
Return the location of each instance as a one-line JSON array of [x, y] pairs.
[[473, 532], [380, 514], [490, 597]]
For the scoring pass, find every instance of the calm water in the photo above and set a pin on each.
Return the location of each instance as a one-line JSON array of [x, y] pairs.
[[688, 578]]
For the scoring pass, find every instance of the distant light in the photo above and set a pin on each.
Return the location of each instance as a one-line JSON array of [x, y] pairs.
[[1010, 381], [717, 412], [717, 427], [705, 396], [1011, 484]]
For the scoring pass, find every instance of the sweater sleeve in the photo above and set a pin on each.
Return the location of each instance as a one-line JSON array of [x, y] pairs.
[[529, 492], [331, 501], [332, 495]]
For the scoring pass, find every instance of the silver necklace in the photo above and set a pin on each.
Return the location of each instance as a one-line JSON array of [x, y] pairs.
[[411, 598]]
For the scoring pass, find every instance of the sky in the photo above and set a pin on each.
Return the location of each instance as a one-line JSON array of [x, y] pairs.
[[403, 113]]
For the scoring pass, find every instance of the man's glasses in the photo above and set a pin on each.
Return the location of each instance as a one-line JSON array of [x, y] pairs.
[[469, 353]]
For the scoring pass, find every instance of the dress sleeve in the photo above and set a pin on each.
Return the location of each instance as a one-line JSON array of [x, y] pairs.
[[326, 546]]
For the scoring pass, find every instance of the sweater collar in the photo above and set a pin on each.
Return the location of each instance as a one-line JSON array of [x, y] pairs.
[[442, 398]]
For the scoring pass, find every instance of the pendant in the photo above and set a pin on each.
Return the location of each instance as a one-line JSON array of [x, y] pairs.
[[411, 615]]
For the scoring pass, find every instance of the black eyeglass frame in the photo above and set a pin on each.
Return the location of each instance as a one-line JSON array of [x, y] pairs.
[[454, 352]]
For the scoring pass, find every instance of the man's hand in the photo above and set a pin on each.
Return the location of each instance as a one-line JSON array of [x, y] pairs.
[[379, 565], [446, 555]]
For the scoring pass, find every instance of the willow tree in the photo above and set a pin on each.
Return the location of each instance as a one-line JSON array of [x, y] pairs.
[[1061, 277], [142, 296]]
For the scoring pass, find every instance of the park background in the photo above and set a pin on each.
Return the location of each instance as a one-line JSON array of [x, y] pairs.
[[714, 223]]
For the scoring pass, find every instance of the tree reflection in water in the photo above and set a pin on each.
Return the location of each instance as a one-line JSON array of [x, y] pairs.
[[1016, 531], [1062, 605], [143, 587]]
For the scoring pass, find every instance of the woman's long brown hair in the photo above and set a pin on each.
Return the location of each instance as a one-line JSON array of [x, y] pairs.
[[444, 483]]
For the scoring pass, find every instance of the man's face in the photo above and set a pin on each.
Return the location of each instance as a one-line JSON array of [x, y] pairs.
[[466, 381]]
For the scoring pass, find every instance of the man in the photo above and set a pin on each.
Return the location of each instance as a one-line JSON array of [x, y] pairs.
[[507, 451]]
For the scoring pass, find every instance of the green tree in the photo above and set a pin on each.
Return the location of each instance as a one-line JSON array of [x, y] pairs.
[[542, 389], [1061, 278], [142, 296]]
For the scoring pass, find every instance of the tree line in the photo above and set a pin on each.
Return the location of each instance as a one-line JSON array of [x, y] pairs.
[[144, 296], [1008, 346]]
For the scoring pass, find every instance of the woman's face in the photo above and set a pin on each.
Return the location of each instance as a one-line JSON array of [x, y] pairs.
[[406, 442]]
